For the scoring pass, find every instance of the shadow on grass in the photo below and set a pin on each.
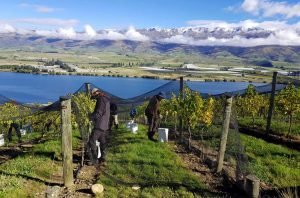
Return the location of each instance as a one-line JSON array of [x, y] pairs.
[[48, 183], [48, 154], [10, 153]]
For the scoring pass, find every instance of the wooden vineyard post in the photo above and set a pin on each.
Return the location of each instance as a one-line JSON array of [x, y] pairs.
[[180, 117], [66, 130], [87, 88], [271, 106], [225, 129], [251, 186], [86, 135]]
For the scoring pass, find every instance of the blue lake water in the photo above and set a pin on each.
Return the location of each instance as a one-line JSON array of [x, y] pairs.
[[32, 88]]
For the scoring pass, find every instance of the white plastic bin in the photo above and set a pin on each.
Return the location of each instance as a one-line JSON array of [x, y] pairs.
[[129, 123], [2, 140], [134, 128], [163, 134], [23, 131]]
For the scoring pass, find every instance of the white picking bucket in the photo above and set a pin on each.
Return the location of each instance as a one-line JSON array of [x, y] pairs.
[[2, 140], [23, 131], [134, 128], [163, 134]]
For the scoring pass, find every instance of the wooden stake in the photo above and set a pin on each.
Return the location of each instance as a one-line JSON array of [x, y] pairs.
[[272, 99], [225, 129], [66, 130], [87, 87], [180, 117]]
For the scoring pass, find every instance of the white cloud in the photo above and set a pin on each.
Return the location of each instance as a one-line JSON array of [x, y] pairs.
[[39, 8], [112, 35], [6, 28], [90, 32], [281, 33], [251, 6], [67, 33], [132, 34], [48, 21], [269, 8]]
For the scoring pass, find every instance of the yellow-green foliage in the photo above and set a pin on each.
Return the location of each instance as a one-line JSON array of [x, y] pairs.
[[140, 111], [11, 112], [288, 102], [208, 112], [83, 106], [169, 108], [190, 107], [251, 103]]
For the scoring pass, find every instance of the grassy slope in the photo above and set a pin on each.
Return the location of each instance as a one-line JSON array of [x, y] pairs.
[[133, 159], [20, 176], [273, 163]]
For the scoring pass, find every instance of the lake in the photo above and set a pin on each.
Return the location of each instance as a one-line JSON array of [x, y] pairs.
[[37, 88]]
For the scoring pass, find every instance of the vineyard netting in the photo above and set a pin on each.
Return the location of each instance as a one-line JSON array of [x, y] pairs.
[[201, 114]]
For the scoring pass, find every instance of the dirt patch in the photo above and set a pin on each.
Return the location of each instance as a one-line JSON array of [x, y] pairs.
[[214, 182], [84, 177]]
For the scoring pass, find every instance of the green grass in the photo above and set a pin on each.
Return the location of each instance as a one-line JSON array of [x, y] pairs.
[[273, 163], [23, 175], [133, 159]]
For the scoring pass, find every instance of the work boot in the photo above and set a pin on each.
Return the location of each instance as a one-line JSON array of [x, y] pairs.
[[101, 160], [150, 136]]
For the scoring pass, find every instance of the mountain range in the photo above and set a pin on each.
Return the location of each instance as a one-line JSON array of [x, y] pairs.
[[189, 40]]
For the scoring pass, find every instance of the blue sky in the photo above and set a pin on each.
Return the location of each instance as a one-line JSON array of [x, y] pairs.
[[100, 14]]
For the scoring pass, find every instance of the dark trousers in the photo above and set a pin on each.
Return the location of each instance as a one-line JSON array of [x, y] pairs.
[[9, 135], [101, 136], [152, 125]]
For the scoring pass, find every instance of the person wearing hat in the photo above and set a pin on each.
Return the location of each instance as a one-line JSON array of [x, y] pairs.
[[100, 117], [152, 113]]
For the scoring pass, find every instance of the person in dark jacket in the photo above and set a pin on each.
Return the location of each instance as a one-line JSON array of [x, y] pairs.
[[152, 113], [100, 117], [113, 116], [132, 113], [17, 129]]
